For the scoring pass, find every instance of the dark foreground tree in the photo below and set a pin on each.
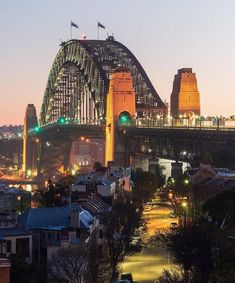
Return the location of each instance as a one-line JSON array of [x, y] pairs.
[[145, 187], [192, 248], [23, 272], [55, 194]]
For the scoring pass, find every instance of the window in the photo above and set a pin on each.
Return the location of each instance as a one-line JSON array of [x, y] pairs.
[[9, 246], [22, 247], [101, 234]]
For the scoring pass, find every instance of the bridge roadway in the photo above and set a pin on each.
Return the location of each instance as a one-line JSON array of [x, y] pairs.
[[220, 134], [56, 138]]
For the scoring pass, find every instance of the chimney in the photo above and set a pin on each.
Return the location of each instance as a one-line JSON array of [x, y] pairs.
[[75, 217]]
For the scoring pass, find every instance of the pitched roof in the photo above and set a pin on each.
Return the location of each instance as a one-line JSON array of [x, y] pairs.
[[13, 231], [53, 218], [35, 218], [95, 205]]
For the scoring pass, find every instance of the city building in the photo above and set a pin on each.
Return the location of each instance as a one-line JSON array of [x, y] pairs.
[[59, 226], [14, 199], [207, 182], [108, 184], [16, 240]]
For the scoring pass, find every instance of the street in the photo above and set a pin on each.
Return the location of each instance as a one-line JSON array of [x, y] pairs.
[[147, 265]]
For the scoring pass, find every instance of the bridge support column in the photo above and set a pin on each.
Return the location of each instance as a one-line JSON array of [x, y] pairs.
[[176, 169], [153, 163], [120, 111], [66, 153], [29, 147]]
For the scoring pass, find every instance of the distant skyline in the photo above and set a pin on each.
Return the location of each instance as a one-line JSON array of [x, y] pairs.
[[164, 35]]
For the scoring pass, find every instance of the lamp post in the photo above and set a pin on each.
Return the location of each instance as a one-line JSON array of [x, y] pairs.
[[184, 205], [19, 198]]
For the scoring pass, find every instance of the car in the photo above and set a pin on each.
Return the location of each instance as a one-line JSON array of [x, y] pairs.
[[127, 276], [174, 225], [147, 207], [172, 215]]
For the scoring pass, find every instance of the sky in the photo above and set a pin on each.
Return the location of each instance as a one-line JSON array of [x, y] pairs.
[[164, 35]]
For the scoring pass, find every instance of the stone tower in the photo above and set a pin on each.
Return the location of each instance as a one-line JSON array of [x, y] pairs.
[[29, 151], [185, 98], [120, 110]]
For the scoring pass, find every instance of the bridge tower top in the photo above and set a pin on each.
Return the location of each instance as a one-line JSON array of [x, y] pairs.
[[185, 98]]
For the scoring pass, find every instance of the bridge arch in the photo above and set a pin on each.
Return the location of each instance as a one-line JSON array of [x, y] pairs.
[[79, 80]]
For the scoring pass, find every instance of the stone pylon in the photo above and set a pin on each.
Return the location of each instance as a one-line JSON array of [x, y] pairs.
[[120, 111], [29, 148], [185, 98]]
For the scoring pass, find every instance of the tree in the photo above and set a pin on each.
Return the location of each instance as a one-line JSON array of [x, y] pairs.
[[23, 272], [192, 247], [160, 176], [222, 206], [69, 265], [97, 166], [55, 194], [77, 264], [145, 187], [175, 275]]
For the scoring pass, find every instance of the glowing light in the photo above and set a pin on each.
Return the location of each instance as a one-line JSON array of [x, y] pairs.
[[184, 204], [62, 120], [37, 129], [124, 118]]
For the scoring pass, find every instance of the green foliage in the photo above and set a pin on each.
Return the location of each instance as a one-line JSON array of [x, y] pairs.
[[145, 187], [192, 249], [225, 264], [23, 272], [221, 206], [175, 275], [55, 194], [97, 166], [160, 176]]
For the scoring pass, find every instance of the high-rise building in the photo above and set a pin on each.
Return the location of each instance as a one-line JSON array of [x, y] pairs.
[[185, 98]]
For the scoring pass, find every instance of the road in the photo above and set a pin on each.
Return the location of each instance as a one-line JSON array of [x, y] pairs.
[[147, 265]]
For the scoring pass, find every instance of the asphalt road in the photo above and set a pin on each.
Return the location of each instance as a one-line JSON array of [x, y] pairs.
[[147, 265]]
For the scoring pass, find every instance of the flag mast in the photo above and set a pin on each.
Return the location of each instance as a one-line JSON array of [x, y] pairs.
[[99, 25], [72, 25]]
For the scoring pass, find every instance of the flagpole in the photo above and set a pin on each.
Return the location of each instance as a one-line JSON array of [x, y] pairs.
[[70, 31], [98, 32]]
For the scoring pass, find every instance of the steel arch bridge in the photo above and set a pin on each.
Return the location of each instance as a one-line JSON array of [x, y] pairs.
[[78, 81]]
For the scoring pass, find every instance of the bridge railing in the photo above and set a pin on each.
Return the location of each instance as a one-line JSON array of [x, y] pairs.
[[177, 123], [67, 122]]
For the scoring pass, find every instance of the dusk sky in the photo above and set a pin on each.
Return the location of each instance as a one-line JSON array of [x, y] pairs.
[[164, 35]]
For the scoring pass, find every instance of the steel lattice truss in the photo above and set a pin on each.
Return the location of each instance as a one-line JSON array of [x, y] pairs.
[[79, 80]]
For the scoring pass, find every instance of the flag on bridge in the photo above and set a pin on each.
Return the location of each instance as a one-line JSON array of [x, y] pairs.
[[74, 25], [100, 25]]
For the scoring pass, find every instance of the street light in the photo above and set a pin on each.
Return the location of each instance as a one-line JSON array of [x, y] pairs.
[[184, 205], [19, 198]]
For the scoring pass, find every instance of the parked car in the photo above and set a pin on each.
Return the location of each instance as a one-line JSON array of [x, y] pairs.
[[147, 207], [127, 276], [174, 225], [172, 215]]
